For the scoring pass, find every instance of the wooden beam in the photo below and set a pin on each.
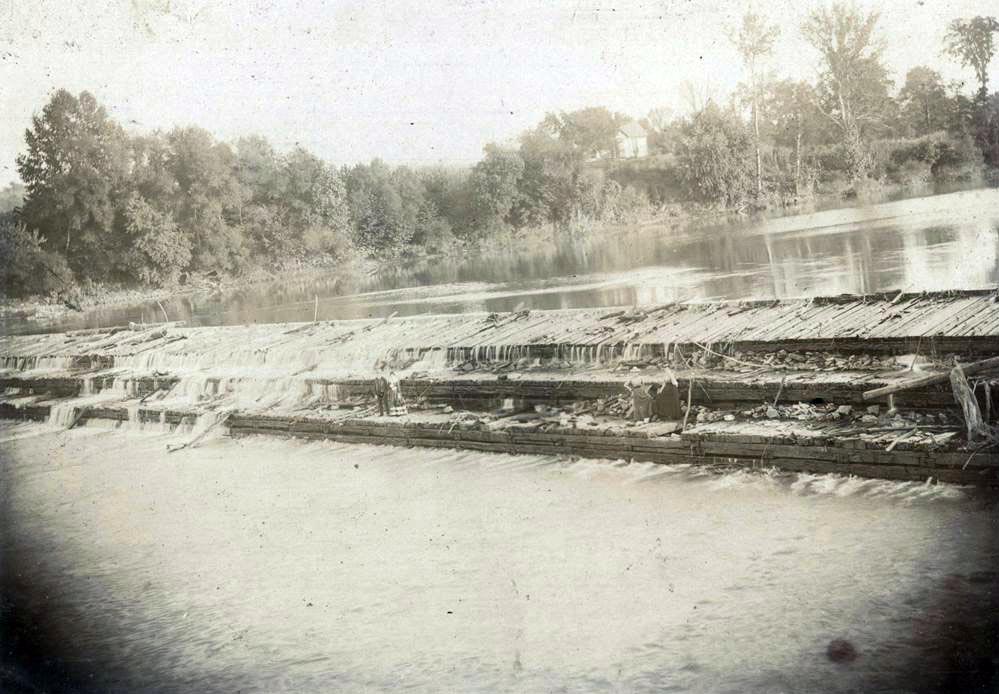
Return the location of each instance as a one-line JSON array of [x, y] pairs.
[[932, 380]]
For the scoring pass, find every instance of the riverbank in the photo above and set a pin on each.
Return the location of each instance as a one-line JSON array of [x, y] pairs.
[[356, 274], [94, 296]]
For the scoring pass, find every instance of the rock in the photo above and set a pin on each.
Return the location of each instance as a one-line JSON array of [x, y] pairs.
[[772, 412], [729, 418], [874, 410], [869, 419], [844, 410]]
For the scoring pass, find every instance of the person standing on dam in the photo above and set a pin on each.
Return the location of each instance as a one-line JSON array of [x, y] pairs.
[[395, 405], [381, 389]]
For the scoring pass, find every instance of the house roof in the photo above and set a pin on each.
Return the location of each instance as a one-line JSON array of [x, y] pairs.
[[633, 129]]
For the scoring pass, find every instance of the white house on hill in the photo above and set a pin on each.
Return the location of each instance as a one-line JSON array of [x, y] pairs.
[[632, 141]]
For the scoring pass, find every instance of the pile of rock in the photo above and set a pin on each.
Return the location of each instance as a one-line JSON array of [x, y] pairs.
[[873, 415]]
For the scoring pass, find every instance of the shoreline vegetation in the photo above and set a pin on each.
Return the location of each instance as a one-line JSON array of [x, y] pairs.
[[108, 217], [92, 295]]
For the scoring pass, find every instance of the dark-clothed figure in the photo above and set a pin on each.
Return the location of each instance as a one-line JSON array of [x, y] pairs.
[[382, 395]]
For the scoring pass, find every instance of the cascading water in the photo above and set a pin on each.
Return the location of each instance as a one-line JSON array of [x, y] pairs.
[[284, 370]]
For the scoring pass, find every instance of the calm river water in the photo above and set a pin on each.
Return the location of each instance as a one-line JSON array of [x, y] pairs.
[[277, 566], [939, 242]]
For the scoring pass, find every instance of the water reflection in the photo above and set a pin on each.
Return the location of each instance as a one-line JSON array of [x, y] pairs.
[[931, 243]]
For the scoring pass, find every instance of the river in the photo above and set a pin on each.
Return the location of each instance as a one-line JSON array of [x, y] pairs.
[[281, 566], [937, 242]]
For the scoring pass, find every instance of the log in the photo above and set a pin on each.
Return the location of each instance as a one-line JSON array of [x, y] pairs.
[[932, 380]]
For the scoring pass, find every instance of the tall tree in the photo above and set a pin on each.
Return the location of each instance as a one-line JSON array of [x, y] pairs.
[[988, 131], [551, 185], [923, 101], [448, 191], [493, 185], [660, 124], [793, 120], [74, 168], [159, 251], [970, 42], [853, 83], [713, 154], [592, 132], [754, 40], [207, 198], [378, 212]]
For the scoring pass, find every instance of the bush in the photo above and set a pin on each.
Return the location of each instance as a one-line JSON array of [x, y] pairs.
[[943, 156], [832, 161], [626, 205], [321, 243]]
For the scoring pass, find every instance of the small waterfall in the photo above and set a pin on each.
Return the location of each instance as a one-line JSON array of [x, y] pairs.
[[328, 393], [63, 414], [44, 363], [134, 422]]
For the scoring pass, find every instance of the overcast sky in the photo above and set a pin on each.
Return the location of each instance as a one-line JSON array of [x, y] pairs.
[[411, 82]]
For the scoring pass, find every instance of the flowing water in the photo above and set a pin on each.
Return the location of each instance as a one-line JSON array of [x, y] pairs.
[[939, 242], [265, 565]]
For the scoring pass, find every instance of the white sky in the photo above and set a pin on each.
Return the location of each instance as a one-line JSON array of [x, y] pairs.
[[411, 82]]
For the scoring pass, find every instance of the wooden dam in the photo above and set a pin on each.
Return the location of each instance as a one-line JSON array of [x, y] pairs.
[[896, 386]]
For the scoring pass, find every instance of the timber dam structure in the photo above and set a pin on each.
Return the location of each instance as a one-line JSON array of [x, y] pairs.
[[895, 386]]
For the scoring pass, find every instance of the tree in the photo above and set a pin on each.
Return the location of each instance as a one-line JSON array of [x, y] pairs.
[[263, 188], [696, 95], [74, 169], [28, 268], [659, 118], [258, 169], [592, 132], [988, 132], [377, 209], [151, 174], [207, 199], [853, 84], [315, 194], [755, 40], [970, 42], [793, 120], [551, 184], [493, 185], [660, 124], [713, 154], [159, 251], [925, 107], [447, 190]]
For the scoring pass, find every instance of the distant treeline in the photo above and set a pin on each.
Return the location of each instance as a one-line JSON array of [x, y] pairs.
[[103, 206]]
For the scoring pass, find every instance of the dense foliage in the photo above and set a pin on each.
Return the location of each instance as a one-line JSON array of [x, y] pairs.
[[103, 205]]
